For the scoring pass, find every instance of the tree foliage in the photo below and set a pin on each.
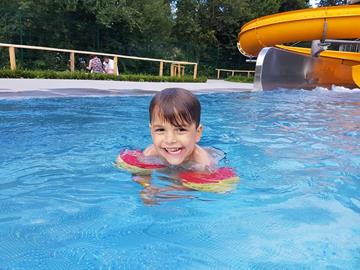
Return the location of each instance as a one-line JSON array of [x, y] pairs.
[[323, 3], [203, 31]]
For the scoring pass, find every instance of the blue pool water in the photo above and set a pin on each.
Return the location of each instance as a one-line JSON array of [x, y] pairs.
[[63, 205]]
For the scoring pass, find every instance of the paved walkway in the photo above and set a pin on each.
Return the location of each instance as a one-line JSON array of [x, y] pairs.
[[20, 88]]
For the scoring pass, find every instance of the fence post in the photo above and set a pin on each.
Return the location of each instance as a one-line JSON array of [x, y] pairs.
[[161, 69], [218, 74], [116, 70], [232, 73], [195, 71], [171, 70], [179, 70], [72, 61], [12, 58]]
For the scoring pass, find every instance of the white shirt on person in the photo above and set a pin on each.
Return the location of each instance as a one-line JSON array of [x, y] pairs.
[[109, 67]]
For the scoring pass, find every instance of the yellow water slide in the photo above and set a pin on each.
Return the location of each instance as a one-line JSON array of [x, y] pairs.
[[340, 22]]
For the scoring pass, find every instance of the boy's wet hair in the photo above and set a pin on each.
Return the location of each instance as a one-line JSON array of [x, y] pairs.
[[176, 106]]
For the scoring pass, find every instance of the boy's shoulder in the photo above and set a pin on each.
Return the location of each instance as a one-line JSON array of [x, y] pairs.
[[150, 151], [203, 157]]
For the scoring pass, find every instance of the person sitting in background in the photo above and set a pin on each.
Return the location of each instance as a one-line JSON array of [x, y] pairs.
[[109, 66], [95, 65]]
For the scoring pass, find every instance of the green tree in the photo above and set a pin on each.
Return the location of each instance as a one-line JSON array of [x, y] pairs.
[[323, 3], [258, 8], [204, 31], [287, 5]]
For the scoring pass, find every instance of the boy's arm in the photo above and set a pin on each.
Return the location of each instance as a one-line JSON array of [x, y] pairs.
[[143, 180], [151, 195]]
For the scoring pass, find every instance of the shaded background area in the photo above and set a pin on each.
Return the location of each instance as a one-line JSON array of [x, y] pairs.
[[203, 31]]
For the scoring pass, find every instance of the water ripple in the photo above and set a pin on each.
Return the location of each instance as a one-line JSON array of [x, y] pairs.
[[64, 206]]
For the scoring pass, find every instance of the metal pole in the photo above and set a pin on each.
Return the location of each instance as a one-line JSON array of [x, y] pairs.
[[342, 41]]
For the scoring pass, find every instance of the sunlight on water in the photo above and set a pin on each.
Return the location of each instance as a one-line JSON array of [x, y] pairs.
[[340, 89]]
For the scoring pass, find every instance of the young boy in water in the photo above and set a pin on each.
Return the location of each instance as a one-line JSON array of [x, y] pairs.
[[176, 129]]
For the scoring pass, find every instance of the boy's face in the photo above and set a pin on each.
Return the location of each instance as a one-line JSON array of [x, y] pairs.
[[175, 144]]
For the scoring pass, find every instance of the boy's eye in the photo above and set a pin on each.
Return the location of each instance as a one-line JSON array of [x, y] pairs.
[[159, 130], [182, 129]]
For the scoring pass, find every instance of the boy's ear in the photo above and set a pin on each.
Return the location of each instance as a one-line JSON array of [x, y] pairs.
[[199, 132]]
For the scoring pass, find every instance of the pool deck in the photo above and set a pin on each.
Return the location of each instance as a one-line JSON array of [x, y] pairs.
[[29, 88]]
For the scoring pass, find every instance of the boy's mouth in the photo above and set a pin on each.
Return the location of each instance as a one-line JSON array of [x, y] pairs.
[[173, 150]]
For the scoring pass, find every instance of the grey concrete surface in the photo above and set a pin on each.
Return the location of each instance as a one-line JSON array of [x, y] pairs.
[[28, 88]]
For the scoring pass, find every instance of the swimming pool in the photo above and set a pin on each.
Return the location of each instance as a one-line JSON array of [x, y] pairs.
[[64, 205]]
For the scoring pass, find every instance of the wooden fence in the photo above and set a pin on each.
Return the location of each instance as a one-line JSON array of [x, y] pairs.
[[233, 71], [177, 67]]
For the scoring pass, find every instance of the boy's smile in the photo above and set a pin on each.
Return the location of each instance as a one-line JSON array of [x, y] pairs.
[[175, 144]]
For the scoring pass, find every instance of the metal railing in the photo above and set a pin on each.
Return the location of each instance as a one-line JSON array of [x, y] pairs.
[[233, 71]]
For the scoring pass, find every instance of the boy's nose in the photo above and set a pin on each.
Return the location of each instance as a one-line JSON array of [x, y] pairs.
[[170, 137]]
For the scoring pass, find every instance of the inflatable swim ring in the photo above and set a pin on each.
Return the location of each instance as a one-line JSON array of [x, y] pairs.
[[135, 162], [221, 180]]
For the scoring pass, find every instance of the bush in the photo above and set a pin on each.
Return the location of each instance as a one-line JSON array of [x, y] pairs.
[[242, 79], [78, 75]]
